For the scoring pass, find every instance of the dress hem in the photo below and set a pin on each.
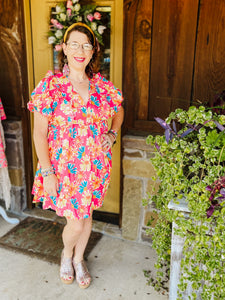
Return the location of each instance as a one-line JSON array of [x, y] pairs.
[[62, 215]]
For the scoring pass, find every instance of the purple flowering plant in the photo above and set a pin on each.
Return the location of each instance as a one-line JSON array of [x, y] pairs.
[[189, 163], [217, 195], [209, 126]]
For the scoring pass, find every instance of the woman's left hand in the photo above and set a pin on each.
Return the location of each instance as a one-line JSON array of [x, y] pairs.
[[107, 141]]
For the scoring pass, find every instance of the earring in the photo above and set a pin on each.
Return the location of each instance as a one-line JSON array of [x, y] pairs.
[[66, 69], [97, 45]]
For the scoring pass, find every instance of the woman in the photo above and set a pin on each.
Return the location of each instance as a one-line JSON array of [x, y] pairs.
[[73, 145]]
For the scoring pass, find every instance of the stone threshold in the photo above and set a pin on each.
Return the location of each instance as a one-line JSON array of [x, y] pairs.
[[98, 226]]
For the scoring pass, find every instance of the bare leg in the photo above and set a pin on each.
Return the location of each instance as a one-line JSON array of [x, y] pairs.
[[75, 235], [82, 275], [71, 234], [83, 240]]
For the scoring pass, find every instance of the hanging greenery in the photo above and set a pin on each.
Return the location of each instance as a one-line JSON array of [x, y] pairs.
[[190, 164]]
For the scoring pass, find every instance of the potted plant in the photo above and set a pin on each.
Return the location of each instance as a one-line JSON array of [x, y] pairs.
[[190, 163]]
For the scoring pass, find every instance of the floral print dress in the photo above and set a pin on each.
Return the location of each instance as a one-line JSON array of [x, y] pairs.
[[3, 161], [74, 138]]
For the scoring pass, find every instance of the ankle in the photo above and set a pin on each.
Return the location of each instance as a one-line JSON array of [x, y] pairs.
[[77, 259], [67, 253]]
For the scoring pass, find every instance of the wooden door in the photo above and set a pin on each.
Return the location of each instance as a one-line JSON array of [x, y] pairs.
[[43, 61], [173, 57], [14, 78], [209, 65]]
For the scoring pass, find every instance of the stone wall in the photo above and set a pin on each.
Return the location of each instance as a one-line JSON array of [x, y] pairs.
[[137, 183], [14, 154]]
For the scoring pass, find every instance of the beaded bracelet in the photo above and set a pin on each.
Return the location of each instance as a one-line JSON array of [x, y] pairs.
[[114, 134], [48, 171], [45, 174]]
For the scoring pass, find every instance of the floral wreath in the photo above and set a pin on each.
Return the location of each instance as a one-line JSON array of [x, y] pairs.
[[70, 12]]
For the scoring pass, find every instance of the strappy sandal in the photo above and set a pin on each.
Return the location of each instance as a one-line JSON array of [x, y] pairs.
[[66, 270], [83, 277]]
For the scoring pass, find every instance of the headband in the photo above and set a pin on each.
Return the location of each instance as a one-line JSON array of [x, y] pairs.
[[75, 25]]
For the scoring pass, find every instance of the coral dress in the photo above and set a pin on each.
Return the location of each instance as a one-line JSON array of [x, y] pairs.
[[74, 137]]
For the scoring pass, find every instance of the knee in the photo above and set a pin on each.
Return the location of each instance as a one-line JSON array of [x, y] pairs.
[[78, 229], [88, 221], [75, 227]]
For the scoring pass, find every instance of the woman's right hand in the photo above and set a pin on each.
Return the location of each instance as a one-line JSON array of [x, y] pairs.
[[51, 185]]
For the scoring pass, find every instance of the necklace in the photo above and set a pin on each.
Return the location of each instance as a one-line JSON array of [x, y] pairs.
[[79, 81]]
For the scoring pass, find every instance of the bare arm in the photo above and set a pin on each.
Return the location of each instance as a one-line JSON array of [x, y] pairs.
[[117, 121], [40, 139], [41, 145]]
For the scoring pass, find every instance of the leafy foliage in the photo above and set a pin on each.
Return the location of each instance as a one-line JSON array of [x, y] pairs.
[[190, 163]]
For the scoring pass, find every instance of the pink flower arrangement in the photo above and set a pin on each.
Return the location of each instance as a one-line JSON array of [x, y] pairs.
[[56, 24], [90, 17], [97, 15], [69, 4], [69, 12]]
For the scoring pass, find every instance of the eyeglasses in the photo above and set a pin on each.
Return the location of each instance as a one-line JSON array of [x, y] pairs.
[[76, 46]]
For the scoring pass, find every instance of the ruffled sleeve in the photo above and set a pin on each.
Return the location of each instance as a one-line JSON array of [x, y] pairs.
[[2, 112], [114, 96], [42, 96]]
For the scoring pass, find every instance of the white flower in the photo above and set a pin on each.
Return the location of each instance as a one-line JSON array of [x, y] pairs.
[[93, 26], [51, 40], [75, 1], [79, 19], [58, 34], [63, 17], [58, 9], [101, 29], [77, 7]]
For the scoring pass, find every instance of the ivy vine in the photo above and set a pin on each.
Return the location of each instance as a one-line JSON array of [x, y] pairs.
[[190, 163]]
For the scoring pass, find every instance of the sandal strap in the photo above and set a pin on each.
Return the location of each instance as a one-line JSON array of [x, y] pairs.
[[82, 274], [66, 267]]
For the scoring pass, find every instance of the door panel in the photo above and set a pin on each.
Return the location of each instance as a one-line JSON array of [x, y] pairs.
[[182, 50], [209, 74], [173, 46]]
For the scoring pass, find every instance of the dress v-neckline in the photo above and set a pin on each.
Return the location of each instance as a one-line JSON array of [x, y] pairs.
[[79, 95]]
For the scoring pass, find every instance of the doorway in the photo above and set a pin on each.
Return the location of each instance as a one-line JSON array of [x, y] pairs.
[[43, 57]]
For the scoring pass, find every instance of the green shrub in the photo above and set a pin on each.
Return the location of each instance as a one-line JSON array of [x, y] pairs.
[[190, 163]]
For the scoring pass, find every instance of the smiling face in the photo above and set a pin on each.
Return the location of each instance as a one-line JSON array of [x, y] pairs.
[[79, 58]]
